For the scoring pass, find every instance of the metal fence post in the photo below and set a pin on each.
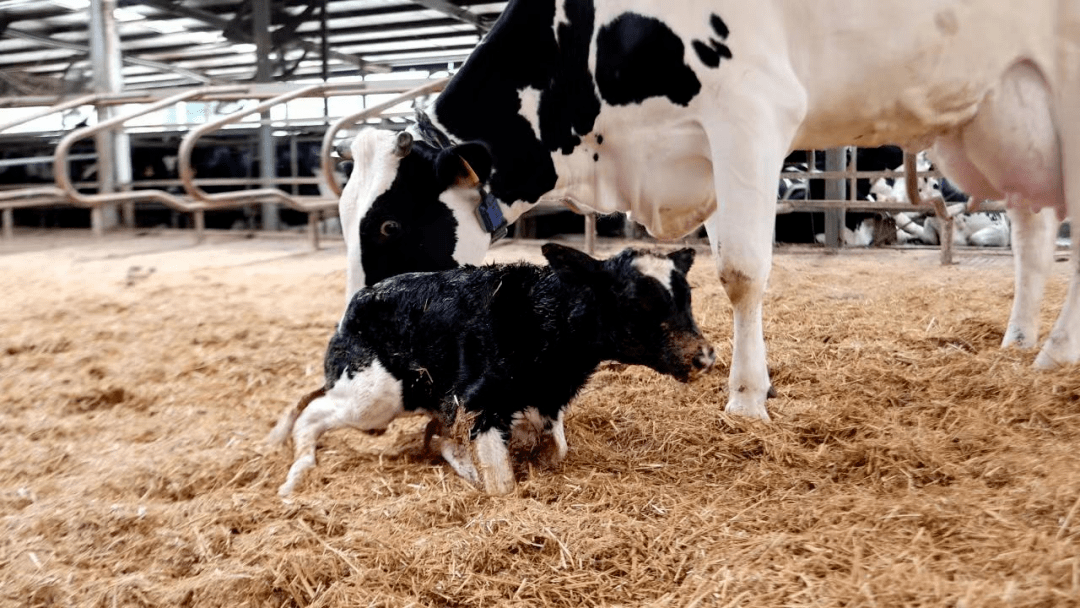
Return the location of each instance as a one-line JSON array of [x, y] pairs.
[[834, 190]]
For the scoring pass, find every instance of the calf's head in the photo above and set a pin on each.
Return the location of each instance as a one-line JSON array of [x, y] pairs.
[[644, 300], [410, 207]]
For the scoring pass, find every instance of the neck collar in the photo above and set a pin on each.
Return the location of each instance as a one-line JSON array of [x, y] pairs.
[[488, 212]]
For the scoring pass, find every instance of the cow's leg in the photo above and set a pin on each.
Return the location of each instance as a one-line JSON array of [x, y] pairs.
[[320, 416], [1013, 147], [368, 401], [437, 436], [558, 435], [493, 460], [491, 431], [1063, 345], [748, 151], [530, 425], [1033, 236]]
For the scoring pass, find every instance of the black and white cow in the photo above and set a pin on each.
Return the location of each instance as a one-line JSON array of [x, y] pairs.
[[682, 113], [504, 343]]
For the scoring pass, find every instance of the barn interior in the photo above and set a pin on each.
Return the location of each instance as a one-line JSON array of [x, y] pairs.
[[71, 65], [155, 324]]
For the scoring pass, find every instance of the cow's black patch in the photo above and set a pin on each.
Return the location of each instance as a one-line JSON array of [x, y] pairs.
[[719, 26], [639, 57], [599, 139], [569, 106], [595, 157], [521, 51], [710, 53]]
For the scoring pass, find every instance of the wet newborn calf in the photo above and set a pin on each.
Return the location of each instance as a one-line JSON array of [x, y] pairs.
[[504, 343]]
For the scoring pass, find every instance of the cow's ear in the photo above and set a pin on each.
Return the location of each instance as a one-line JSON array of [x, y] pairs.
[[467, 165], [569, 263], [477, 157], [683, 258]]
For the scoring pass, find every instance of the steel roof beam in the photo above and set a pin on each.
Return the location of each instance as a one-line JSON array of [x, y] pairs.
[[455, 11], [79, 48], [207, 17]]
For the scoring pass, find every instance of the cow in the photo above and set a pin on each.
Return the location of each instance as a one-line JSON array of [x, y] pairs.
[[503, 344], [682, 113]]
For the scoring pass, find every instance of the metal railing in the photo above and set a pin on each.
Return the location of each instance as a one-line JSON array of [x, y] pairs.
[[325, 153], [196, 200]]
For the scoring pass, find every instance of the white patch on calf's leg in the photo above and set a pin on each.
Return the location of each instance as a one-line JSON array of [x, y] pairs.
[[558, 433], [526, 425], [368, 401], [656, 267], [457, 456], [493, 458]]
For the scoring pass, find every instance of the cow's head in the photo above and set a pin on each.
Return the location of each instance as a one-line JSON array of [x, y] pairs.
[[411, 207], [645, 318]]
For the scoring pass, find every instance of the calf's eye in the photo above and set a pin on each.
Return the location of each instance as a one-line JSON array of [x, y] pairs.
[[390, 228]]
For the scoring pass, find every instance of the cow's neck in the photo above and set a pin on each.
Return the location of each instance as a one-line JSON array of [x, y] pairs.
[[509, 96]]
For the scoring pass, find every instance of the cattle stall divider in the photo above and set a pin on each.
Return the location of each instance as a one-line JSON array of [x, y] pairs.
[[195, 200], [312, 205], [46, 195], [96, 201]]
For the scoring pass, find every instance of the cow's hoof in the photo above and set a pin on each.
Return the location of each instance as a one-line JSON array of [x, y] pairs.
[[1018, 338], [1057, 351], [748, 408]]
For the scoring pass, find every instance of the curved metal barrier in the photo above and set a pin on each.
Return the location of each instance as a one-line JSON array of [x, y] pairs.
[[327, 162], [95, 201]]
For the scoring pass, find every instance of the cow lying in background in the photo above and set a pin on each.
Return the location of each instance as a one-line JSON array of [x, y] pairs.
[[505, 343]]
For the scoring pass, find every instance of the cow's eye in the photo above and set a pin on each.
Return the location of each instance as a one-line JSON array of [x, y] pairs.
[[390, 228]]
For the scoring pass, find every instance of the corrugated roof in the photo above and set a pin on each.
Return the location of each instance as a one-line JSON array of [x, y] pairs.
[[44, 44]]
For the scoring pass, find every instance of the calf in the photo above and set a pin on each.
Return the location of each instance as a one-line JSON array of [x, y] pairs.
[[504, 343]]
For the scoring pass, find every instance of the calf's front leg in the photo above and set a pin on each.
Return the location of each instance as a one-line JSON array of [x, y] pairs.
[[493, 460]]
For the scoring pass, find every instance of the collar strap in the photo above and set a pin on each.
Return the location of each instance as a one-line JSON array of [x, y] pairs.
[[491, 216]]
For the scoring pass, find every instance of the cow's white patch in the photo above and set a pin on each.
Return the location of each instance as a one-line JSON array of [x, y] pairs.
[[558, 433], [457, 455], [369, 400], [494, 459], [472, 240], [656, 267], [560, 18], [529, 420], [530, 107], [374, 168]]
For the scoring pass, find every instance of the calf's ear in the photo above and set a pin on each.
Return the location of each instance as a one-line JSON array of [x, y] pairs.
[[569, 263], [683, 258], [467, 165]]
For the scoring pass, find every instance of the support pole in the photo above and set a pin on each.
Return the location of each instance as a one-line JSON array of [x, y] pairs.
[[911, 184], [834, 191], [9, 224], [113, 146], [267, 166], [590, 233]]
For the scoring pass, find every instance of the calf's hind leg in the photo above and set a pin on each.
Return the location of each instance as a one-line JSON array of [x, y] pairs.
[[368, 400]]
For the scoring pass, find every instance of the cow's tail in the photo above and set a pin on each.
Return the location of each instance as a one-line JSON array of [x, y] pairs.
[[281, 431]]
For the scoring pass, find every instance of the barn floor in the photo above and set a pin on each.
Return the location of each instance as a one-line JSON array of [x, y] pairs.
[[910, 462]]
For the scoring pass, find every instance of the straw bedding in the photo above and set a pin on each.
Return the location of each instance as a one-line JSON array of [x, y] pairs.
[[910, 462]]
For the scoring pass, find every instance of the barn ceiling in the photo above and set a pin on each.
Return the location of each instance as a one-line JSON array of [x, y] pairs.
[[44, 44]]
